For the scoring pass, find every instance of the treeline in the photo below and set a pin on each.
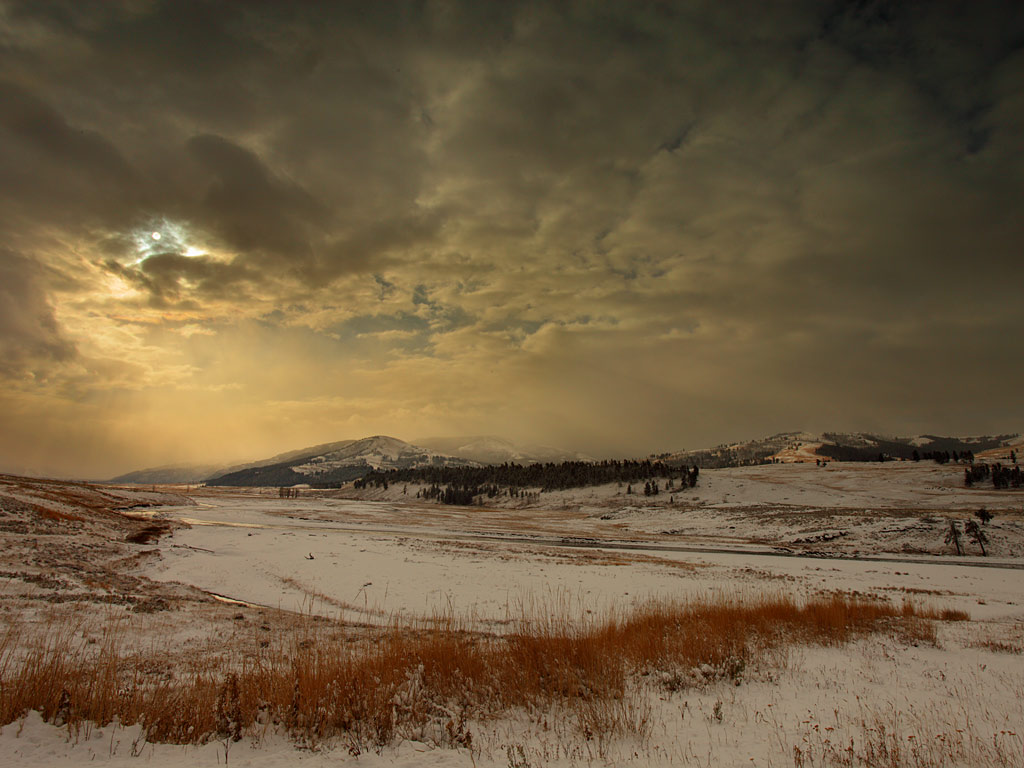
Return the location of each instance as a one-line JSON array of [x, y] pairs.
[[465, 495], [726, 457], [891, 451], [460, 485], [1002, 477], [944, 457], [934, 448], [283, 475]]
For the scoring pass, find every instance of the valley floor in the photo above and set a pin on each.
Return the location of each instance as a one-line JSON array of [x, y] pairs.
[[220, 566]]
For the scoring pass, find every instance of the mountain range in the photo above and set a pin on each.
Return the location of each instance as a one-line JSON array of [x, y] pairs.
[[340, 462], [488, 449], [346, 460], [790, 447]]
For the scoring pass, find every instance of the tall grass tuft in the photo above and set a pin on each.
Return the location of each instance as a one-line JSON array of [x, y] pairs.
[[422, 680]]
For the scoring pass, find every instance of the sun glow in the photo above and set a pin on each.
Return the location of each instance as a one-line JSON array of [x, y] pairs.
[[119, 288], [164, 236]]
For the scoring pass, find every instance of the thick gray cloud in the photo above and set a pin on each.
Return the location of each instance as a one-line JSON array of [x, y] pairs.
[[252, 210], [737, 217], [29, 335]]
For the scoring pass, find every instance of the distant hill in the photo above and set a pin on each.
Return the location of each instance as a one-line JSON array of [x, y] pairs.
[[171, 474], [489, 449], [200, 473], [332, 464], [868, 447], [789, 447]]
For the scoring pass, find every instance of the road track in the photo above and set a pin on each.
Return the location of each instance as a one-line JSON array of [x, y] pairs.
[[573, 542]]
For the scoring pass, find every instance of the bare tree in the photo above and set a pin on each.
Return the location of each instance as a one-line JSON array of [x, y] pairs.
[[953, 536], [975, 534]]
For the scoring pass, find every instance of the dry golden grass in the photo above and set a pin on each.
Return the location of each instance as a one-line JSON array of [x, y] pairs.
[[55, 515], [886, 742], [936, 614], [423, 682], [1000, 646]]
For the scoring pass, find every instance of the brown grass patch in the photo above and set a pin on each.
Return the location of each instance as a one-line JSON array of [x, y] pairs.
[[53, 514], [148, 533], [935, 614], [999, 646], [424, 682]]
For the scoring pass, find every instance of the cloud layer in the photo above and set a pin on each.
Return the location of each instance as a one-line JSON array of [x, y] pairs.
[[235, 228]]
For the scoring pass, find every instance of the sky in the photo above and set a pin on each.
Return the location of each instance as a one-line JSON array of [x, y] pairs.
[[233, 229]]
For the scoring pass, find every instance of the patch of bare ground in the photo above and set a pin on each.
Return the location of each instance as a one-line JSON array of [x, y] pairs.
[[68, 543]]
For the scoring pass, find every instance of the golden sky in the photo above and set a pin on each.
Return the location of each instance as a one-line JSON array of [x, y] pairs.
[[234, 229]]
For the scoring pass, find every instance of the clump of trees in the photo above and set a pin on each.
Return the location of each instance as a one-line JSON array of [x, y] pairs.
[[1002, 477], [944, 457], [973, 531]]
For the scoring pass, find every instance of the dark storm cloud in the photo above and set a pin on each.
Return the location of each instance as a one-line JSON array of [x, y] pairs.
[[747, 207], [948, 51], [375, 245], [39, 129], [53, 170], [251, 209], [169, 277]]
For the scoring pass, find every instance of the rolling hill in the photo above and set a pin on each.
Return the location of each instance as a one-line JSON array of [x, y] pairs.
[[332, 464]]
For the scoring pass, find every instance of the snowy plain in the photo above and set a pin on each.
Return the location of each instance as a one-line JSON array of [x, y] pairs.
[[373, 557]]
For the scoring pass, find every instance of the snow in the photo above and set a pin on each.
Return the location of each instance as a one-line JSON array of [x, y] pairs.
[[34, 742], [403, 567], [378, 452], [865, 529], [489, 449]]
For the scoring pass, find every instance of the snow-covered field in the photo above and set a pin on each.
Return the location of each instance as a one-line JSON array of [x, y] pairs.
[[369, 558]]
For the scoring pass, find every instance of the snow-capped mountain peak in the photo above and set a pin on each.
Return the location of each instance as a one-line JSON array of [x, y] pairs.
[[490, 449], [377, 452]]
